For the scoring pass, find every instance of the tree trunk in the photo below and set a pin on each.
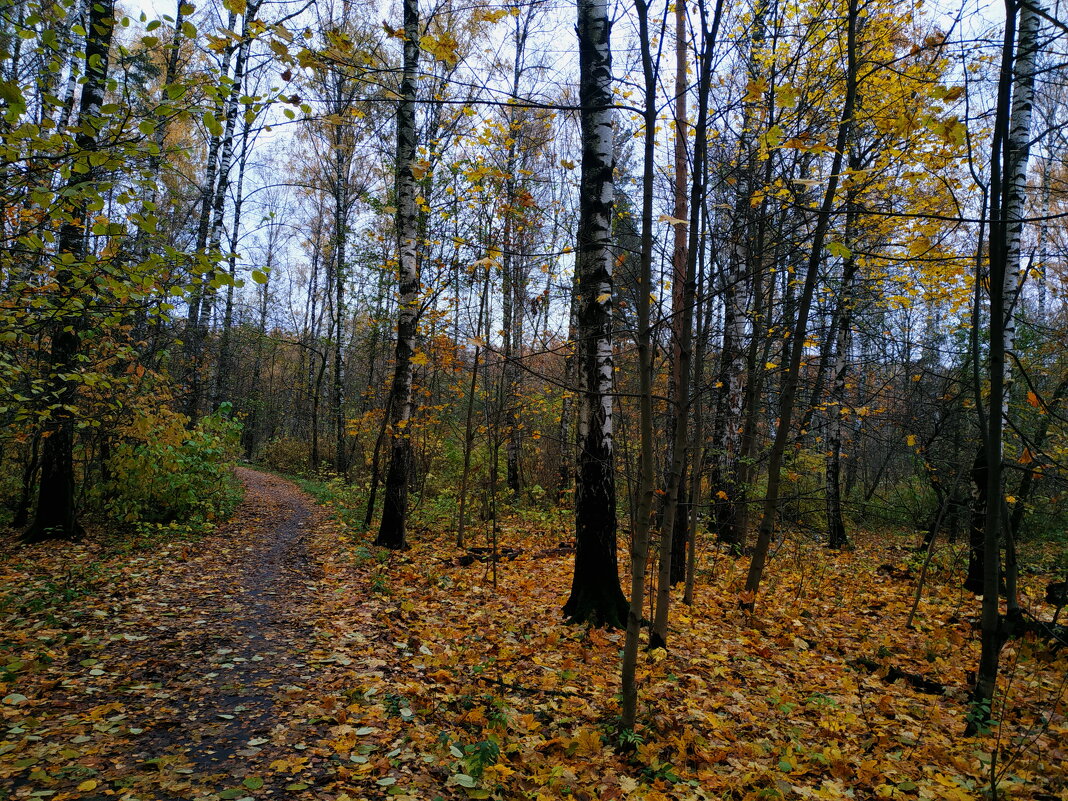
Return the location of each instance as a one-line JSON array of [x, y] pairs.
[[55, 514], [469, 424], [196, 316], [596, 596], [391, 533], [672, 514], [836, 532], [567, 403], [1008, 185], [639, 548], [225, 360], [796, 344]]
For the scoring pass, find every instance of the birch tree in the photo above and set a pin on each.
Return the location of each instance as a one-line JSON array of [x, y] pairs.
[[1008, 185], [596, 596], [391, 533]]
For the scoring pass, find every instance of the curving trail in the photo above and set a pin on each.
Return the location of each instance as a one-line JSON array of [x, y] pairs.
[[187, 674]]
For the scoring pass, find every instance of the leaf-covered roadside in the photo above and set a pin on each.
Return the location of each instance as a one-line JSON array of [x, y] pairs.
[[231, 668]]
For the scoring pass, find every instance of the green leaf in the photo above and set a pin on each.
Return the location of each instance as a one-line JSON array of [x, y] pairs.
[[212, 124], [839, 250], [253, 782], [10, 92], [260, 277], [295, 786], [233, 793]]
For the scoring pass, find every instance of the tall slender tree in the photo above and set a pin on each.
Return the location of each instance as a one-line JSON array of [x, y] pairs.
[[391, 533], [55, 515], [1008, 185], [798, 335], [596, 596]]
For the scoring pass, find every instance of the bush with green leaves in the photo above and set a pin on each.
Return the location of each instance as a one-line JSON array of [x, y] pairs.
[[162, 471]]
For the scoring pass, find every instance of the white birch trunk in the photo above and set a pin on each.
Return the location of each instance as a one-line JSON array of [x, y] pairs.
[[391, 534]]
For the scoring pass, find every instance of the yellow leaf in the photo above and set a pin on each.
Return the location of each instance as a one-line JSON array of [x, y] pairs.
[[1010, 499], [755, 90], [420, 170], [419, 358], [443, 47], [910, 440], [588, 742], [672, 220], [87, 785]]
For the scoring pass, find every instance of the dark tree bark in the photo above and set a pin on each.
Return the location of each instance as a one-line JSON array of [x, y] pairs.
[[1008, 185], [674, 519], [199, 304], [842, 330], [596, 595], [639, 548], [55, 515], [567, 405]]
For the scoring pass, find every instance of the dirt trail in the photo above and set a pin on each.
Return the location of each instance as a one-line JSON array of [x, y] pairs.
[[186, 679], [245, 636]]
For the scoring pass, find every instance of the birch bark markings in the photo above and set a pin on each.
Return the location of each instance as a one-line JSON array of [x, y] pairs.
[[391, 533], [596, 596], [199, 304], [1008, 184]]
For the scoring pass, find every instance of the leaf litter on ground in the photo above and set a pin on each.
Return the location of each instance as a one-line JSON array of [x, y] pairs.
[[285, 656]]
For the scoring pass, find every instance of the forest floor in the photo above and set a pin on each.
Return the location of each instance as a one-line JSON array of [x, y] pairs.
[[284, 657]]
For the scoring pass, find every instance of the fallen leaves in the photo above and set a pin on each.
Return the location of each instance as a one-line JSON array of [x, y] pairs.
[[333, 671]]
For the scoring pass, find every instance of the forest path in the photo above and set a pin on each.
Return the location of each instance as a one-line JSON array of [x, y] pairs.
[[191, 671], [247, 628]]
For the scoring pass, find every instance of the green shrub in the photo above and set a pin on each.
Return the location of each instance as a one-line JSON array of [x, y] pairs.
[[162, 472]]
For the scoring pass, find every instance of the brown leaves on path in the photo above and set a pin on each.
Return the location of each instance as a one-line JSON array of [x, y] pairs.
[[179, 674]]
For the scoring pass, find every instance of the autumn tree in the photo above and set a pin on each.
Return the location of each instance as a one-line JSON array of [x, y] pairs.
[[798, 334]]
